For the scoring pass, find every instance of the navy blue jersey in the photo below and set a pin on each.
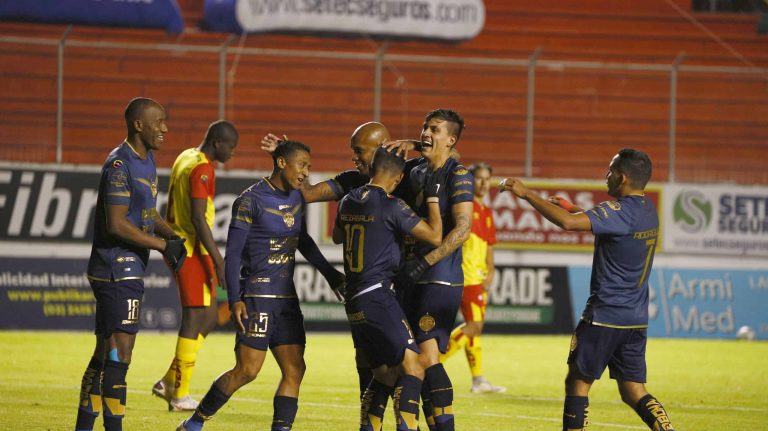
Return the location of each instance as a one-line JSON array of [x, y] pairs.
[[625, 239], [128, 180], [373, 222], [456, 185], [346, 181], [264, 233]]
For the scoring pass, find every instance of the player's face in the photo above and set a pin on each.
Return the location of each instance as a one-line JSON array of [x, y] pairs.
[[437, 138], [225, 149], [614, 179], [296, 169], [153, 127], [362, 155], [482, 183]]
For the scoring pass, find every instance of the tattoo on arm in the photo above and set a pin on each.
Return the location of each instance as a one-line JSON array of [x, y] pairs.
[[320, 192], [453, 240]]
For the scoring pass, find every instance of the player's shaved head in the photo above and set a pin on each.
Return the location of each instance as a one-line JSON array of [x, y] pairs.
[[135, 109], [370, 134], [221, 130]]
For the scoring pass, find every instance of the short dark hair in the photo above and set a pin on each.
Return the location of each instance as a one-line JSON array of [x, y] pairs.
[[636, 165], [220, 130], [389, 161], [449, 116], [479, 165], [135, 108], [285, 149]]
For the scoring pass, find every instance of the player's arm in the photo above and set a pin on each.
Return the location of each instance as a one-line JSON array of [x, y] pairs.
[[163, 229], [462, 215], [430, 231], [205, 236], [489, 262], [120, 227], [311, 252], [550, 211], [565, 204], [236, 238]]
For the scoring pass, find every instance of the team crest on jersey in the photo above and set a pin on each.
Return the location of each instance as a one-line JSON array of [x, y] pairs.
[[426, 323], [289, 220], [614, 205], [460, 170], [204, 178], [117, 164]]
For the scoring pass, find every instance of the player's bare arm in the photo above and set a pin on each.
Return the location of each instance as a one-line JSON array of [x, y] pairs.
[[565, 204], [552, 212], [320, 192], [119, 226], [205, 236], [162, 228], [462, 214], [430, 231]]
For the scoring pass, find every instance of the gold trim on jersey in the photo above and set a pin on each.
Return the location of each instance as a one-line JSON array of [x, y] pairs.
[[126, 194], [605, 325]]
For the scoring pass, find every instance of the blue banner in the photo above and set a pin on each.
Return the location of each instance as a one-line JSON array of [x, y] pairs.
[[124, 13], [696, 303]]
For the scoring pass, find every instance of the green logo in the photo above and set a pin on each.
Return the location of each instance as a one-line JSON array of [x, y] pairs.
[[692, 211]]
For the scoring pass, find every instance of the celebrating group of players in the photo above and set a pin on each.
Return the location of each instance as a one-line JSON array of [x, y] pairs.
[[402, 224]]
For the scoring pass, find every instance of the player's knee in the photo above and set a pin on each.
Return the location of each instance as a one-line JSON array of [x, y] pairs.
[[245, 374]]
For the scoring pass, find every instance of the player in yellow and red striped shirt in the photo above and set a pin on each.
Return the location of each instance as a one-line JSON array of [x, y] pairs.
[[191, 214], [477, 264]]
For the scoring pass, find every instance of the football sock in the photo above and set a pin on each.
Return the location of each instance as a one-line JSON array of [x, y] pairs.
[[186, 353], [200, 341], [653, 414], [90, 396], [441, 395], [406, 402], [284, 414], [373, 404], [474, 351], [114, 389], [364, 377], [575, 413], [213, 400], [426, 405], [456, 342]]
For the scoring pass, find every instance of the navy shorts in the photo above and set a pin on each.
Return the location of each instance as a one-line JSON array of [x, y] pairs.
[[380, 328], [118, 306], [431, 310], [272, 322], [621, 350]]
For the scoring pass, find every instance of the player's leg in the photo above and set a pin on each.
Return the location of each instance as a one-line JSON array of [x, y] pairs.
[[628, 367], [196, 283], [476, 300], [407, 392], [576, 404], [364, 372], [373, 404], [90, 387], [248, 363], [290, 359]]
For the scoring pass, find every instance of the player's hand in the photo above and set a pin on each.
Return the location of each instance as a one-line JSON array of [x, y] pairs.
[[515, 186], [402, 146], [411, 272], [238, 314], [175, 252], [339, 286], [269, 142]]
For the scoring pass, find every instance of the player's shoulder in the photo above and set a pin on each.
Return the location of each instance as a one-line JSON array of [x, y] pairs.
[[456, 168]]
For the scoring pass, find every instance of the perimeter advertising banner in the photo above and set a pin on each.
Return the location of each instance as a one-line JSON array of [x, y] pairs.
[[440, 19], [519, 226], [695, 303], [126, 13], [723, 220]]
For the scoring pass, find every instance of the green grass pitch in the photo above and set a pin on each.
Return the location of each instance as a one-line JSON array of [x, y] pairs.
[[705, 385]]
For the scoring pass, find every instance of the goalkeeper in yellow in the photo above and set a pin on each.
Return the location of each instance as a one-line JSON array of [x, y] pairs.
[[477, 265]]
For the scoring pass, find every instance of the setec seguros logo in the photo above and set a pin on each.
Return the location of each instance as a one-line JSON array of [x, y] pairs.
[[692, 211]]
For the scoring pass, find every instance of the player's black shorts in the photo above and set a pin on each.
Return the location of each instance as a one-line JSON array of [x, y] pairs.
[[594, 347], [118, 306], [272, 322], [379, 327], [431, 310]]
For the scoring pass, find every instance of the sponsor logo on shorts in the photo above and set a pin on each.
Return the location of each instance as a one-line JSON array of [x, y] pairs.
[[426, 323]]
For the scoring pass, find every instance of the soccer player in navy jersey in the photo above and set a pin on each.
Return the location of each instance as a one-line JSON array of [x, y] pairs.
[[126, 221], [267, 227], [432, 280], [613, 327], [370, 223]]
